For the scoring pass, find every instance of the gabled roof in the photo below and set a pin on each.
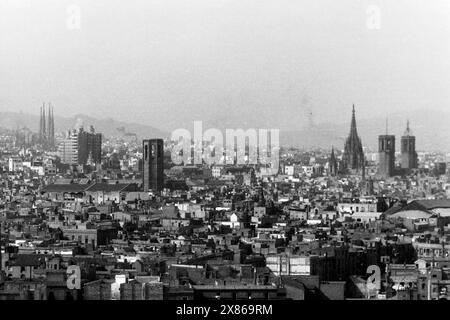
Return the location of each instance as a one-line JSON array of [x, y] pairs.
[[426, 207], [106, 187], [429, 204], [70, 187], [25, 260], [63, 181], [310, 282], [412, 214], [394, 209]]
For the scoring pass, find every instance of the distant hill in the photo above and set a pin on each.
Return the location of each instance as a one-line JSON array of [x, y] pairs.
[[108, 127], [431, 128]]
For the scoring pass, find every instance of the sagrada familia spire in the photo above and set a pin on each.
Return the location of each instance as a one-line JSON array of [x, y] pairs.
[[353, 158], [47, 128]]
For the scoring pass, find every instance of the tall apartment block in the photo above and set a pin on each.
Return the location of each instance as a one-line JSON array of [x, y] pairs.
[[89, 146], [80, 146]]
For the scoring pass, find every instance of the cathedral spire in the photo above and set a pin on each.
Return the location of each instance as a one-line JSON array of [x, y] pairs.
[[50, 127], [49, 122], [333, 166], [43, 121], [42, 124], [53, 129], [353, 152], [408, 130], [353, 124]]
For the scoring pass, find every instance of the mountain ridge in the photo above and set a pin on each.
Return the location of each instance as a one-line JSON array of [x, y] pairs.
[[429, 126]]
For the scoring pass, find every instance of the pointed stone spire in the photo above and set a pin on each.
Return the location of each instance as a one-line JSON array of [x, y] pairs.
[[42, 124], [363, 174], [53, 129], [408, 130], [50, 131], [49, 124], [43, 121], [353, 152], [353, 131], [333, 163]]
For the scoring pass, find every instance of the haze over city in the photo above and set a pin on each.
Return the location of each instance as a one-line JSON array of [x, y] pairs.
[[224, 157], [284, 64]]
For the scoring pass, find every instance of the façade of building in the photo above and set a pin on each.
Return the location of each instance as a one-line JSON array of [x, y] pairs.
[[81, 147], [386, 149]]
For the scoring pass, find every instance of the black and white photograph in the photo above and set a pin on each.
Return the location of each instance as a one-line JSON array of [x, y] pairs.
[[224, 157]]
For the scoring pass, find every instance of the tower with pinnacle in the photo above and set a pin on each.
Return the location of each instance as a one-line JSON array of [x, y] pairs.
[[353, 158], [408, 149], [386, 154], [333, 164]]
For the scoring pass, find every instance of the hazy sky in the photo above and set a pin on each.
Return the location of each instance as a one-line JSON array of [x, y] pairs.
[[166, 62]]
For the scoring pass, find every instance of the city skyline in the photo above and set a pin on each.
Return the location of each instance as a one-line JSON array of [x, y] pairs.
[[431, 130], [226, 61], [246, 154]]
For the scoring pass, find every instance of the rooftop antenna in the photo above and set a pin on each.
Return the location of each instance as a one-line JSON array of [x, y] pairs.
[[386, 125]]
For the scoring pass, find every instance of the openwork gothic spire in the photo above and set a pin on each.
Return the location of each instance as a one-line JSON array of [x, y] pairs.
[[353, 157]]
